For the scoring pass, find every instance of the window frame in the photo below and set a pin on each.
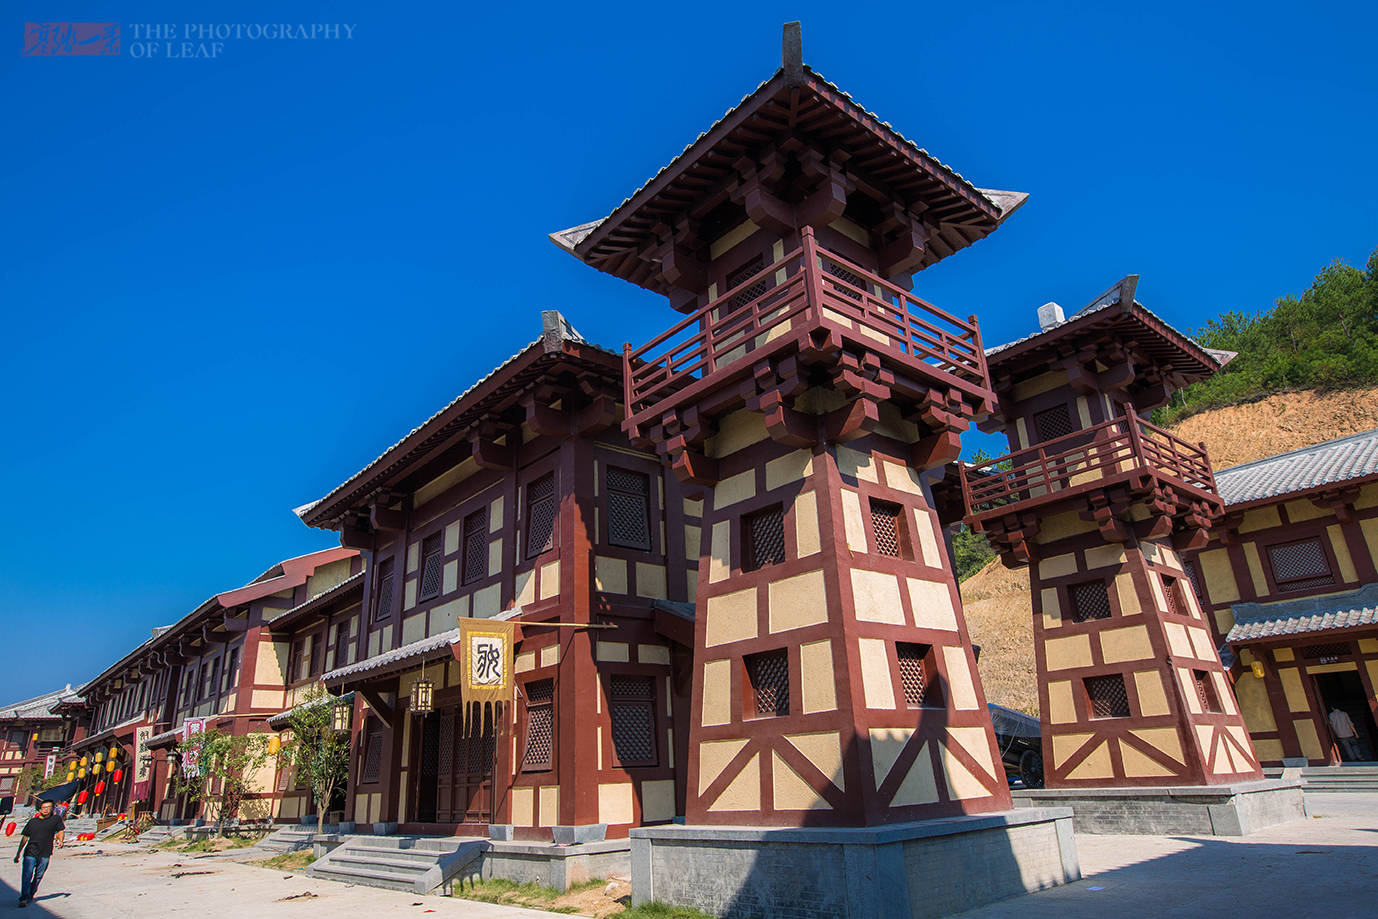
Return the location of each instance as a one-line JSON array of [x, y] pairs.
[[480, 538], [747, 528], [528, 552], [1070, 598], [528, 706], [646, 505], [1290, 585], [1091, 701], [751, 710], [651, 706], [431, 548], [386, 578], [904, 545]]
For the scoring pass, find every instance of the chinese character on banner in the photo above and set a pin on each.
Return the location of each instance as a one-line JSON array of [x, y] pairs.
[[190, 760], [50, 765], [484, 652], [143, 763]]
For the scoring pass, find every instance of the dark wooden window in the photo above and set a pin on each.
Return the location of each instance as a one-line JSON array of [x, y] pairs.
[[382, 607], [1106, 696], [432, 566], [540, 726], [371, 766], [541, 507], [208, 673], [750, 293], [918, 674], [887, 527], [342, 643], [317, 654], [1205, 691], [631, 710], [1172, 593], [1300, 565], [763, 540], [847, 276], [1194, 577], [475, 546], [629, 508], [768, 675], [1090, 600], [1052, 423], [231, 670]]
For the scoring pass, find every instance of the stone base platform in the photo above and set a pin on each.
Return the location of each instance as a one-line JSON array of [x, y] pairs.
[[1195, 810], [552, 865], [917, 870]]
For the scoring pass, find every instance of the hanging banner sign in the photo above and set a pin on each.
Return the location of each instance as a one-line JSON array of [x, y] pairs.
[[143, 763], [484, 651], [50, 765], [190, 759]]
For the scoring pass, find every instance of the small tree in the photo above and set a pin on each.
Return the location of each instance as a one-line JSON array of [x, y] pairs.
[[31, 780], [318, 752], [226, 765]]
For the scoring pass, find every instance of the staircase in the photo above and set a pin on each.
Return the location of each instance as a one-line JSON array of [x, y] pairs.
[[160, 833], [75, 826], [290, 838], [417, 864], [1354, 778]]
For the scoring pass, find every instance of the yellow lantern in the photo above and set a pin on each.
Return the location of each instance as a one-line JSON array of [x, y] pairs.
[[95, 769], [34, 738], [100, 755], [81, 773], [274, 745], [114, 752], [83, 761], [1257, 668]]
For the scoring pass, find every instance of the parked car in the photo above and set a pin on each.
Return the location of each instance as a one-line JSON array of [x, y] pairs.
[[1021, 744]]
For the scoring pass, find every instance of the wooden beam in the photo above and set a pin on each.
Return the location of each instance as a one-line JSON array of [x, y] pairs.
[[378, 705]]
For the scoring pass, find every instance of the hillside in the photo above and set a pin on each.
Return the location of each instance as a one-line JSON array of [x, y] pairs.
[[998, 610]]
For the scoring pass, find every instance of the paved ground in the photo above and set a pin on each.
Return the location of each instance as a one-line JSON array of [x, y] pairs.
[[1325, 866]]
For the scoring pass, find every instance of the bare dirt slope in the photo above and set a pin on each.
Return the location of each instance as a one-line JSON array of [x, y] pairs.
[[998, 609]]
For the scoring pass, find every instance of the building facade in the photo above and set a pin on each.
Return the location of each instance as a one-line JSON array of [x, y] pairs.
[[1290, 582], [33, 734]]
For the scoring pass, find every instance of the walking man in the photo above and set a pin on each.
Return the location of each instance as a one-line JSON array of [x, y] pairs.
[[36, 846], [1343, 727]]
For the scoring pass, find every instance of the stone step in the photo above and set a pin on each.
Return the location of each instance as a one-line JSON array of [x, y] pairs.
[[413, 863], [399, 864], [364, 877]]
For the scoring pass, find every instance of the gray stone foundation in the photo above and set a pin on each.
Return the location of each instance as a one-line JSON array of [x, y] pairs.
[[552, 865], [918, 870], [1197, 810]]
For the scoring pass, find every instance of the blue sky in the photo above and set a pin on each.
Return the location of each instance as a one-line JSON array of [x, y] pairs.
[[230, 282]]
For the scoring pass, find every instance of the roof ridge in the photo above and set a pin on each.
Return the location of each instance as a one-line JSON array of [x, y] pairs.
[[1299, 451]]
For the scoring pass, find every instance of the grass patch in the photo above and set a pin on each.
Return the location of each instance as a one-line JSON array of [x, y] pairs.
[[586, 898], [287, 861], [661, 911]]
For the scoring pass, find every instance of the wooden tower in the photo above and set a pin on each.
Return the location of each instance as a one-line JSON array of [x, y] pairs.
[[806, 394], [1099, 504]]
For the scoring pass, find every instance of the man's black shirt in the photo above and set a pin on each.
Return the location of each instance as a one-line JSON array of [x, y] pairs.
[[41, 832]]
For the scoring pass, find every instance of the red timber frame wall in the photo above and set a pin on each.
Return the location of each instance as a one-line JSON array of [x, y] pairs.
[[1284, 710], [1098, 504], [596, 734]]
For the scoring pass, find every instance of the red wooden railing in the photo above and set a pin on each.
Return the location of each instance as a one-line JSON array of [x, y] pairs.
[[819, 288], [1116, 449]]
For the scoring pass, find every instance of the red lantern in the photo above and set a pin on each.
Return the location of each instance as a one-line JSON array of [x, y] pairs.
[[9, 830], [115, 779], [100, 787], [81, 796]]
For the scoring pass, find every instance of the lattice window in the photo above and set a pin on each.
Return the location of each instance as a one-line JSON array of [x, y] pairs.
[[540, 515], [540, 725], [750, 293], [1300, 565], [1107, 696], [342, 636], [1090, 600], [231, 672], [916, 672], [383, 605], [768, 673], [1052, 423], [1194, 577], [763, 540], [631, 710], [849, 277], [1172, 593], [887, 526], [432, 564], [629, 508], [475, 546], [372, 768], [1334, 649], [482, 746], [1205, 691]]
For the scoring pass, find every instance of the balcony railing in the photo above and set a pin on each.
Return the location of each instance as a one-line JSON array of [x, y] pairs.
[[806, 289], [1122, 449]]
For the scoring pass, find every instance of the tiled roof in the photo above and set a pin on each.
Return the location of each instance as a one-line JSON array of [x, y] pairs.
[[416, 649], [1307, 614], [1330, 463], [39, 706], [1004, 201], [283, 719], [349, 584], [165, 739]]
